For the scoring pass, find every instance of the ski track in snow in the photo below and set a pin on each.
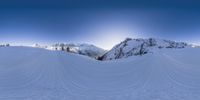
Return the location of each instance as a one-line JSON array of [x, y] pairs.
[[37, 74]]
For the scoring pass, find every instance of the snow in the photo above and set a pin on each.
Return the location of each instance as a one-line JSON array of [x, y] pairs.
[[37, 74]]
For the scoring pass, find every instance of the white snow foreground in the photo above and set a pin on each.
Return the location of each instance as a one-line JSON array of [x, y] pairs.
[[39, 74]]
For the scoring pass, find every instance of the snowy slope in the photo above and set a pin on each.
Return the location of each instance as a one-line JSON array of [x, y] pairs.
[[135, 47], [39, 74]]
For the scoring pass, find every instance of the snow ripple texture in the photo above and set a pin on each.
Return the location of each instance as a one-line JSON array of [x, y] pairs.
[[37, 74]]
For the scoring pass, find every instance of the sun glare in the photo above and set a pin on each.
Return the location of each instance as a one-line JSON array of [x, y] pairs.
[[108, 40]]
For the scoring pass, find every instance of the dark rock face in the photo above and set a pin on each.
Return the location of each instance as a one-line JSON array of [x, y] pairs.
[[4, 45], [135, 47]]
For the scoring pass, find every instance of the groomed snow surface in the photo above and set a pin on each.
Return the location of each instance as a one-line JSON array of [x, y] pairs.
[[38, 74]]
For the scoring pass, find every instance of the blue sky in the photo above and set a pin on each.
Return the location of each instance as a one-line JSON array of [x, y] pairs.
[[100, 22]]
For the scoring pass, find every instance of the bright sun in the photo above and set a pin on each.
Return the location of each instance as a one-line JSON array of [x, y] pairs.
[[107, 36], [107, 41]]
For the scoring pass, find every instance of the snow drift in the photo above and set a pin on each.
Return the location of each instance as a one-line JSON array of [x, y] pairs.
[[39, 74]]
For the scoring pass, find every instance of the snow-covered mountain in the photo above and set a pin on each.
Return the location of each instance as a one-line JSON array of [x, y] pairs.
[[195, 45], [82, 49], [130, 47]]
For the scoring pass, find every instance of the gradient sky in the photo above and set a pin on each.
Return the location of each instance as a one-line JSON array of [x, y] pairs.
[[100, 22]]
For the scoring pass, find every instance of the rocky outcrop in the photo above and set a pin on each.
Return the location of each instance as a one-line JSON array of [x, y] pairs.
[[4, 45]]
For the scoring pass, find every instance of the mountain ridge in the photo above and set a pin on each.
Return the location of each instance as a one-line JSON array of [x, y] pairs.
[[128, 47], [82, 49], [140, 46]]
